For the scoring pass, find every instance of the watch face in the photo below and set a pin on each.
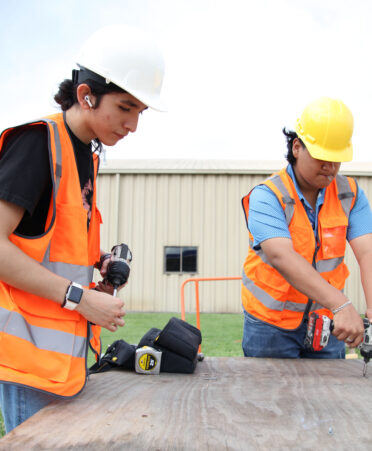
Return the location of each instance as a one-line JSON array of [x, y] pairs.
[[74, 294]]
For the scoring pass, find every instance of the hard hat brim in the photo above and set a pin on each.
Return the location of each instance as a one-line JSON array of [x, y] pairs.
[[335, 156], [154, 101]]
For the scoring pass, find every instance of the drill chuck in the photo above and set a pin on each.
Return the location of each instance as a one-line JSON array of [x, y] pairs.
[[118, 272], [118, 268], [366, 346]]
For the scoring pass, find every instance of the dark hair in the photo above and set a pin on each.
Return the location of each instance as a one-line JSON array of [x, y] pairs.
[[66, 95], [290, 136]]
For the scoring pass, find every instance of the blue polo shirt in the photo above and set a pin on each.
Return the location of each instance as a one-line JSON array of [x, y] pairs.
[[267, 220]]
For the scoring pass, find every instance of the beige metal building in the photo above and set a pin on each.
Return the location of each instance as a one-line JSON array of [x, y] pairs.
[[182, 219]]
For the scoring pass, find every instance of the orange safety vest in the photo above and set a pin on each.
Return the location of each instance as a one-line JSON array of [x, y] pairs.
[[43, 345], [265, 292]]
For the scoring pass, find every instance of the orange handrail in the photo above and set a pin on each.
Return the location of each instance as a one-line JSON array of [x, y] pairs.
[[196, 280]]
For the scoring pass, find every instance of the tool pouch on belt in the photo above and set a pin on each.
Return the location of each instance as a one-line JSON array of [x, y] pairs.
[[118, 355], [179, 342]]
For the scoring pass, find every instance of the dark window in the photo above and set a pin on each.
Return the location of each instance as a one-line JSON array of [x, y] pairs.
[[180, 259], [172, 259]]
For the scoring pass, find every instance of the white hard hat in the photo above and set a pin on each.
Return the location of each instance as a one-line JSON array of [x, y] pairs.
[[128, 57]]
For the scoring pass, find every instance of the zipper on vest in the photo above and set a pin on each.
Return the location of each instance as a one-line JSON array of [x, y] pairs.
[[317, 247], [310, 301]]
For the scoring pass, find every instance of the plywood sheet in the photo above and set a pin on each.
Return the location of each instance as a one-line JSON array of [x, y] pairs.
[[227, 404]]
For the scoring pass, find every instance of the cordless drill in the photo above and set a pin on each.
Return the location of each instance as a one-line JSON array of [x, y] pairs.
[[319, 329], [366, 346], [118, 268]]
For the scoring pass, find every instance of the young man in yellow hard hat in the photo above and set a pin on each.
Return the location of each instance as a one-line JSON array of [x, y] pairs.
[[299, 221]]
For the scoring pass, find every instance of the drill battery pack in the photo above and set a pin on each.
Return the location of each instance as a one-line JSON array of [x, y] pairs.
[[318, 331]]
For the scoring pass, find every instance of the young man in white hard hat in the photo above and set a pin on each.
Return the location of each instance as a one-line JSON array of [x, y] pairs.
[[299, 221], [49, 222]]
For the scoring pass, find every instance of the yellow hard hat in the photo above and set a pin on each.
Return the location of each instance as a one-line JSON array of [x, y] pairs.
[[326, 127]]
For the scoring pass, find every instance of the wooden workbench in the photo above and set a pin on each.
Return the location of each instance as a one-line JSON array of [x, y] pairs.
[[228, 403]]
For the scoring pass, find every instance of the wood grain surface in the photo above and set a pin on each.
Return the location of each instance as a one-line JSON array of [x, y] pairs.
[[227, 404]]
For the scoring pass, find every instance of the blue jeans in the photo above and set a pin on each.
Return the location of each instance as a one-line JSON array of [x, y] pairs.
[[19, 403], [261, 339]]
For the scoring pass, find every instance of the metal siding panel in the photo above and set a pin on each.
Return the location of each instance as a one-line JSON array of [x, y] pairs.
[[209, 269], [185, 210], [137, 301], [220, 295], [157, 236], [148, 245], [173, 235], [164, 237], [233, 244], [123, 211], [174, 211]]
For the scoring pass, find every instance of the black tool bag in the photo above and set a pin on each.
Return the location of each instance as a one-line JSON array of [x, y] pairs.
[[179, 342], [118, 355]]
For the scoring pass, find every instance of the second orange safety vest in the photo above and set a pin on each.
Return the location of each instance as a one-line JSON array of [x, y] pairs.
[[265, 292], [42, 345]]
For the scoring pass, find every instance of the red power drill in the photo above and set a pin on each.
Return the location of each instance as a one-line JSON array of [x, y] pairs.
[[319, 329]]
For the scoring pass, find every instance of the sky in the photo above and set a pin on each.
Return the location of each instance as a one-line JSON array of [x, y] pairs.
[[237, 71]]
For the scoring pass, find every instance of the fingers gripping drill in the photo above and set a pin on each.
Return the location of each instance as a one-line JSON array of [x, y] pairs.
[[319, 329], [118, 268]]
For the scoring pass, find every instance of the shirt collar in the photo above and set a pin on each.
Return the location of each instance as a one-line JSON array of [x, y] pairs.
[[320, 198]]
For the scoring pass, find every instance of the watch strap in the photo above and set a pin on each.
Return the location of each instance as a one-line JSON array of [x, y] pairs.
[[73, 296]]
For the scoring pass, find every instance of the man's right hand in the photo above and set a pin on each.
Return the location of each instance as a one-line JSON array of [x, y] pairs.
[[348, 326], [102, 309]]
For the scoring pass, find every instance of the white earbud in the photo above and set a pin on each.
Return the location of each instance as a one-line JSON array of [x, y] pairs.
[[87, 99]]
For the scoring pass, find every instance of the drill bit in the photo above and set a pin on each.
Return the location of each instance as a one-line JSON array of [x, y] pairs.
[[114, 292], [365, 369]]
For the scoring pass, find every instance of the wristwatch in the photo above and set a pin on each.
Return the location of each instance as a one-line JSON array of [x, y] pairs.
[[73, 296]]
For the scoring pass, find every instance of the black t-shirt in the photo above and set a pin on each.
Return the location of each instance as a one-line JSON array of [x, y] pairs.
[[25, 175]]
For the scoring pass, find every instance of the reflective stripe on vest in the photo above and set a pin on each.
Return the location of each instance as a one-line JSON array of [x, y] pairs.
[[286, 199], [48, 339], [77, 273], [344, 194], [57, 142], [270, 302]]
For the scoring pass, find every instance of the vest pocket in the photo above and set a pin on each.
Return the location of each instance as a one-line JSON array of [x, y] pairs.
[[69, 242], [39, 345], [28, 355], [333, 241]]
